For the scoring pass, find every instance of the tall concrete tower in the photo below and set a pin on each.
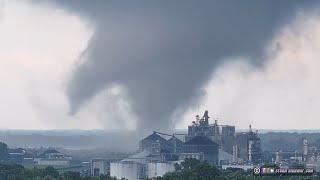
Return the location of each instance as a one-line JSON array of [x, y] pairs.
[[278, 157], [305, 149], [250, 147], [235, 153]]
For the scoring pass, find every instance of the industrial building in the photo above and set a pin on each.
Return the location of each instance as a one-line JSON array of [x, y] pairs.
[[216, 144], [52, 157], [154, 144], [247, 148], [221, 134], [99, 167], [310, 156], [208, 149], [141, 166], [242, 147]]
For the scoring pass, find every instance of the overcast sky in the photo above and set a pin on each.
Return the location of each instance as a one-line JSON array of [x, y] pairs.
[[154, 65]]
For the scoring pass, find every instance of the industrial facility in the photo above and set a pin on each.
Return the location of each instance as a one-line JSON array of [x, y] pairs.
[[217, 144], [309, 157]]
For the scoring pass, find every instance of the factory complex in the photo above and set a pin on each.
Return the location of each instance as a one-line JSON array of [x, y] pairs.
[[219, 145]]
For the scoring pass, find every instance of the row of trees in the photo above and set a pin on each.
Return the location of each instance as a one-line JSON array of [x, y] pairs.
[[193, 169], [11, 171], [18, 172], [190, 169]]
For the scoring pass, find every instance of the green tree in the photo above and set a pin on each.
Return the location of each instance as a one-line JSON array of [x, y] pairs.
[[50, 171], [107, 177], [190, 163], [204, 171], [193, 169], [71, 175]]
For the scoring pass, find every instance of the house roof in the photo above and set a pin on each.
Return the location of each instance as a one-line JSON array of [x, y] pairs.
[[18, 150], [178, 141], [49, 151], [154, 137], [139, 157]]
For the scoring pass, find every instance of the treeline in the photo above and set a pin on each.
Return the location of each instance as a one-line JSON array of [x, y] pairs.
[[287, 141], [18, 172], [192, 169]]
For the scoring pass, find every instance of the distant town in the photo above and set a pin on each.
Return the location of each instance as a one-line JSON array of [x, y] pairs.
[[160, 154]]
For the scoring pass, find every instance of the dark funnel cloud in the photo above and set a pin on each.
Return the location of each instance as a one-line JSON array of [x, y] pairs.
[[163, 52]]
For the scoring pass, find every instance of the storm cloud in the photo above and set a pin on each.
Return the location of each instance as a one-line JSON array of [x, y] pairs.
[[164, 52]]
